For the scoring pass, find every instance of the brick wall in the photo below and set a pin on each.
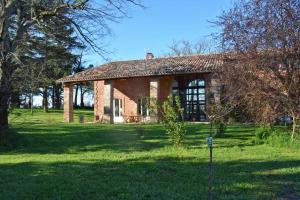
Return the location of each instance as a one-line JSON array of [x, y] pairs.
[[68, 102], [166, 83], [130, 90], [98, 100]]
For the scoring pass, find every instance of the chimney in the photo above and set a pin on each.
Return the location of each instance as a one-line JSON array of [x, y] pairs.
[[149, 56]]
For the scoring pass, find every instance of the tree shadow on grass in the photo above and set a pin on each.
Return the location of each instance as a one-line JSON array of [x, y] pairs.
[[148, 178], [74, 138], [235, 135], [58, 138]]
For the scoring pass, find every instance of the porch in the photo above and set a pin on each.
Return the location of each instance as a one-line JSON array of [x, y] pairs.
[[128, 99]]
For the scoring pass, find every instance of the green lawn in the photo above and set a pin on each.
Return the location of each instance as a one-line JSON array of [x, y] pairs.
[[54, 160]]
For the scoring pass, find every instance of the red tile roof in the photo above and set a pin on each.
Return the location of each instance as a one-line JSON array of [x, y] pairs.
[[149, 67]]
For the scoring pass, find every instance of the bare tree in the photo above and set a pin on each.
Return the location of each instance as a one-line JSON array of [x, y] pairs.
[[89, 18], [263, 70], [186, 47]]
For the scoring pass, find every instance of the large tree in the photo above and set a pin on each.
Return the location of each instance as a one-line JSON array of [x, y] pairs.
[[49, 54], [263, 72], [89, 18]]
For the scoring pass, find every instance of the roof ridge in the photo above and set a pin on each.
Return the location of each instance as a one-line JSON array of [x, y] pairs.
[[162, 58]]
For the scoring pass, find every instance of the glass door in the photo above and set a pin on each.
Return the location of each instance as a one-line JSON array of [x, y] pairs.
[[118, 110]]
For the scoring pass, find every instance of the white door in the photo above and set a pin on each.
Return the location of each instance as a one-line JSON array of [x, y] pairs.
[[118, 111]]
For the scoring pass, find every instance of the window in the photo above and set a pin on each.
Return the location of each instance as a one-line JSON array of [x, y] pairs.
[[175, 89], [117, 113], [193, 99], [143, 107]]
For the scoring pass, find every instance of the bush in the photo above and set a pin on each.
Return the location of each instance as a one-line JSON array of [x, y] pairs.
[[220, 129], [262, 133], [281, 138], [172, 119], [220, 118], [277, 137]]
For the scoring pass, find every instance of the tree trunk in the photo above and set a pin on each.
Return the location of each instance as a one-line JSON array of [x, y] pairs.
[[31, 102], [294, 126], [53, 96], [15, 99], [45, 99], [3, 108], [4, 95], [57, 98], [76, 94], [81, 97], [25, 101], [82, 100]]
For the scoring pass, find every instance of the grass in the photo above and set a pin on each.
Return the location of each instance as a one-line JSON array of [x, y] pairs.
[[54, 160]]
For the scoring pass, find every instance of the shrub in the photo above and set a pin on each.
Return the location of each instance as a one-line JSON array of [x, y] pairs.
[[281, 138], [172, 119], [220, 117], [262, 133], [220, 129], [277, 137]]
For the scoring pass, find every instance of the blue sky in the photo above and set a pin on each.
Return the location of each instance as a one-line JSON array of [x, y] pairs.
[[155, 27]]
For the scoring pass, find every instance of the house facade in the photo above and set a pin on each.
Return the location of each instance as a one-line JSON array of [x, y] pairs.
[[125, 90]]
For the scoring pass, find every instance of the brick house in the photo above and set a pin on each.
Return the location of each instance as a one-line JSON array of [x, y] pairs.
[[122, 89]]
